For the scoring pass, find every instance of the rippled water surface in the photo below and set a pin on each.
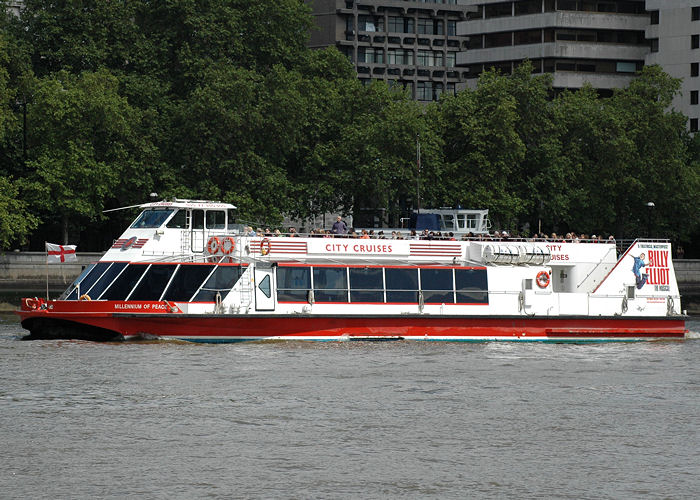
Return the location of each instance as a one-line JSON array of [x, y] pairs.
[[348, 420]]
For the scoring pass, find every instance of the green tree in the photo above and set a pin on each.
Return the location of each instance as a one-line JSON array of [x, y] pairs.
[[483, 150], [81, 146]]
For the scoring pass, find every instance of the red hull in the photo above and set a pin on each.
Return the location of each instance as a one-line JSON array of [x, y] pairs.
[[230, 328]]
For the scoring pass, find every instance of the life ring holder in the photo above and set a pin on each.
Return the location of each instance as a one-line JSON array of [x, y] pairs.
[[542, 279], [265, 246], [231, 245], [213, 245], [31, 304]]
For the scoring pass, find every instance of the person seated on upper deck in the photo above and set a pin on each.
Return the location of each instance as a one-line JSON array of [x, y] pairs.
[[380, 235], [413, 235], [425, 235], [451, 236], [339, 226], [365, 235], [293, 232], [352, 233], [399, 235], [277, 233]]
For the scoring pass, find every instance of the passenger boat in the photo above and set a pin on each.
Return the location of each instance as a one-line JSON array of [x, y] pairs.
[[182, 271]]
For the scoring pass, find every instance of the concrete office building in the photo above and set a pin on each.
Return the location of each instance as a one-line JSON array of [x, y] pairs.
[[674, 38], [405, 42], [603, 42]]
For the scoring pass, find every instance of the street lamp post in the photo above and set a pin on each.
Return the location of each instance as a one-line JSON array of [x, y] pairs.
[[650, 207]]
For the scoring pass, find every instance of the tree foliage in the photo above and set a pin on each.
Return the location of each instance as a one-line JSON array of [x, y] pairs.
[[223, 100]]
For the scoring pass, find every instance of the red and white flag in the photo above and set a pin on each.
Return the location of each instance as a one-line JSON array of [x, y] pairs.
[[60, 253]]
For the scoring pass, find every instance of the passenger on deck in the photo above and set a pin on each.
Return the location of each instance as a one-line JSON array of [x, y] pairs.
[[293, 232], [339, 226], [365, 235]]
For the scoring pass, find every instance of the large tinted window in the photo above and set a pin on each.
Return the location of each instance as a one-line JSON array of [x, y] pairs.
[[153, 283], [293, 284], [152, 218], [437, 285], [69, 290], [472, 286], [366, 284], [122, 286], [401, 285], [187, 280], [221, 281], [89, 280], [330, 284], [106, 279]]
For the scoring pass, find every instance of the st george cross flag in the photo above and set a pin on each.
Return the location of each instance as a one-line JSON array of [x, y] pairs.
[[60, 253]]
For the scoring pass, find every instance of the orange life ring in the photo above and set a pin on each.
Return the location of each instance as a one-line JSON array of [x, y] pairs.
[[85, 296], [232, 245], [213, 245], [265, 246], [542, 279]]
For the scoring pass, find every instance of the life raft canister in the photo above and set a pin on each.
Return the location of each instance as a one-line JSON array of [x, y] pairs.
[[542, 279], [213, 245], [227, 245], [265, 246]]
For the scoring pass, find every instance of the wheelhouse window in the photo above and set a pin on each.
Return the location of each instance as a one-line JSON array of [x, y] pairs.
[[330, 284], [216, 219], [152, 218], [293, 284], [179, 220]]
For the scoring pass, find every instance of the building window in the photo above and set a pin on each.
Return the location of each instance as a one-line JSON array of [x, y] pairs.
[[693, 97], [401, 24], [694, 69], [695, 42], [696, 14], [654, 45], [451, 28], [693, 124], [654, 17]]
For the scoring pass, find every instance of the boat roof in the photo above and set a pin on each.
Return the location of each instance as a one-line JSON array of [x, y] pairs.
[[183, 203]]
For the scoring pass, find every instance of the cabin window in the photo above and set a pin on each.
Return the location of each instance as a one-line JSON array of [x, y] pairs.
[[293, 284], [122, 286], [330, 284], [178, 221], [401, 285], [216, 219], [471, 286], [222, 280], [151, 218], [153, 283], [187, 281], [106, 280], [437, 285], [197, 219], [366, 284], [89, 280]]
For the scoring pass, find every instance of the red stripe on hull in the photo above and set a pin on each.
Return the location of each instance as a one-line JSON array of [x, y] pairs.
[[231, 327]]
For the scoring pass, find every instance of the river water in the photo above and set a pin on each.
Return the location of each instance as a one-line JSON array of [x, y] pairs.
[[348, 420]]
